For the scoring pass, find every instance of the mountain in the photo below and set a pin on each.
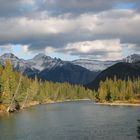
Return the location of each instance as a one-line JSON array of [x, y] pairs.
[[132, 58], [79, 71], [57, 70], [94, 65], [19, 65], [52, 69], [68, 73], [121, 70], [42, 62]]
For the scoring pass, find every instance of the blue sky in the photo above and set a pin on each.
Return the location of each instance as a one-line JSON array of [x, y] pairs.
[[123, 5], [103, 29], [19, 52]]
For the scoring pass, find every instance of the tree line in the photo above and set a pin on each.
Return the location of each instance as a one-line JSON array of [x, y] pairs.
[[116, 89], [35, 90], [16, 87]]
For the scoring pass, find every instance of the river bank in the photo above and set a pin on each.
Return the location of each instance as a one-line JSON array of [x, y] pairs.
[[71, 120], [34, 103], [120, 103]]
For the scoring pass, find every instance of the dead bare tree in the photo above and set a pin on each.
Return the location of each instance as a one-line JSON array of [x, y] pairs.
[[56, 95], [15, 94], [25, 101], [27, 96]]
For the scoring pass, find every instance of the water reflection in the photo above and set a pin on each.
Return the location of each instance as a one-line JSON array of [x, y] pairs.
[[138, 130], [72, 121]]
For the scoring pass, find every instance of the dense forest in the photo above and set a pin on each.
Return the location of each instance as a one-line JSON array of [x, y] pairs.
[[16, 87], [119, 90]]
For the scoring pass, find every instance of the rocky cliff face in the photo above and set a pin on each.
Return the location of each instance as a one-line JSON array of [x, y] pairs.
[[79, 71], [120, 70], [52, 69]]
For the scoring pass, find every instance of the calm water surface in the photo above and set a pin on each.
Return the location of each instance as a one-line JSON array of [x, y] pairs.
[[71, 121]]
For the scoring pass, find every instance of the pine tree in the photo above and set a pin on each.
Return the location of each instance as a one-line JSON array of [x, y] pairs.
[[102, 92], [1, 84], [129, 90], [9, 82]]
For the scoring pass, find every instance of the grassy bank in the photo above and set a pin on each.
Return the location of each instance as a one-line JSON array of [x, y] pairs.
[[120, 103], [133, 103], [34, 103]]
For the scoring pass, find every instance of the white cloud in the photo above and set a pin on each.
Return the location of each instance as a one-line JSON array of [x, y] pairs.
[[97, 45], [25, 48], [122, 24], [28, 2], [102, 49], [99, 49], [6, 47], [83, 34], [49, 50]]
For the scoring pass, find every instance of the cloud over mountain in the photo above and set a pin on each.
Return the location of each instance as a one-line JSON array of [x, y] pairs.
[[71, 26]]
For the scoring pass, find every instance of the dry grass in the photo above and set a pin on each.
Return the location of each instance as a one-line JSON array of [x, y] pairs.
[[2, 108]]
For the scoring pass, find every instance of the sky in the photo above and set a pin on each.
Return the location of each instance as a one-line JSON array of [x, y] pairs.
[[89, 29]]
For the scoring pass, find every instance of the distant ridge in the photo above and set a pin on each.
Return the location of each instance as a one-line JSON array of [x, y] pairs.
[[132, 58], [81, 71], [120, 70], [97, 65], [51, 69]]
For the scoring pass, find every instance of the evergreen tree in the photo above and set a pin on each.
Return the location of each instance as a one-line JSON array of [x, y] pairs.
[[9, 81], [102, 92]]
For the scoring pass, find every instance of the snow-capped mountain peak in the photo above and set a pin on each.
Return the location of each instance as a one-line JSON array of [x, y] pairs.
[[58, 70], [41, 62], [132, 58], [41, 56], [17, 63], [94, 65], [8, 56]]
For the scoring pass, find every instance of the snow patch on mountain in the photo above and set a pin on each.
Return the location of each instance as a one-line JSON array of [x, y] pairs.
[[41, 62], [132, 58], [94, 65]]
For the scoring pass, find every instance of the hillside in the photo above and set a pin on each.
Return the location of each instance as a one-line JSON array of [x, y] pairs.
[[51, 69], [121, 70]]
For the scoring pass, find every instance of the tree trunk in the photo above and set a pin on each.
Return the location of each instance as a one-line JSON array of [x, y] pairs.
[[14, 96], [25, 101]]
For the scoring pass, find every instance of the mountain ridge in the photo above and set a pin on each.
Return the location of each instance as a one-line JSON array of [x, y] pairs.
[[121, 70], [57, 70], [51, 69]]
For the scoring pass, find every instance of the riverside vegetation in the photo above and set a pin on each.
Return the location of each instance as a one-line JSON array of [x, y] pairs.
[[119, 90], [18, 91]]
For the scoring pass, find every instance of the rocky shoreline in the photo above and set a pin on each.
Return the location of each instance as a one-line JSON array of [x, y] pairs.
[[3, 108], [34, 103], [120, 103]]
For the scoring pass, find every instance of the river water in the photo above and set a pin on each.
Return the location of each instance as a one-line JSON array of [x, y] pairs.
[[71, 121]]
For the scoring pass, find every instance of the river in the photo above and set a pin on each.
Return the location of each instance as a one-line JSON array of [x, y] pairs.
[[81, 120]]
